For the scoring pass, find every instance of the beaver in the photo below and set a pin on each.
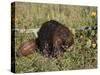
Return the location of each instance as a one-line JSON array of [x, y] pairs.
[[28, 47], [53, 38]]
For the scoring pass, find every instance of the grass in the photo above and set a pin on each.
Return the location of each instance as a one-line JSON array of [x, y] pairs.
[[81, 55]]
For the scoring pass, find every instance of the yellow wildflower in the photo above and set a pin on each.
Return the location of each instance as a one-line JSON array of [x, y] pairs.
[[94, 45], [93, 13]]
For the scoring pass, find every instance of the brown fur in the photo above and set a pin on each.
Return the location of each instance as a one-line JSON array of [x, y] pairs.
[[62, 39], [53, 37]]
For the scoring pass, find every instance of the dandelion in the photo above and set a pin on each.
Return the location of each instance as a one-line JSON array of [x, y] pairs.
[[94, 45], [93, 13]]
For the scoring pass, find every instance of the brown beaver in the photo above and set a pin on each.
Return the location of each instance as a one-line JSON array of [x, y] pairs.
[[53, 38], [28, 47]]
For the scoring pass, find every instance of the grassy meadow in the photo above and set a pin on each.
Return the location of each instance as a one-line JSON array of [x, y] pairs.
[[81, 55]]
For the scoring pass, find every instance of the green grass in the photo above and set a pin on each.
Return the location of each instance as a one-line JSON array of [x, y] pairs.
[[81, 55]]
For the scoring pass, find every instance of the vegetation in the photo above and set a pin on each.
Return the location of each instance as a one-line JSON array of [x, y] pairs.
[[81, 55]]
